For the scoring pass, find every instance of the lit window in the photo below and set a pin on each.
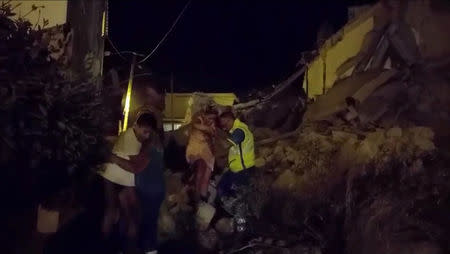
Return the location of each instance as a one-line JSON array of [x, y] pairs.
[[168, 126]]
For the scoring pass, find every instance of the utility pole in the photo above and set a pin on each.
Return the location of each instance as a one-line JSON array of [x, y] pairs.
[[126, 110], [87, 19], [171, 100]]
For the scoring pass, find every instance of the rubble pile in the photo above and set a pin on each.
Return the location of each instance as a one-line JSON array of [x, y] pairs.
[[304, 162], [367, 171], [374, 179], [281, 110]]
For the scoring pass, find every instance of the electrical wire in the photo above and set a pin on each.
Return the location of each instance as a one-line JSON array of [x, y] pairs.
[[120, 53], [115, 49], [167, 34], [126, 52]]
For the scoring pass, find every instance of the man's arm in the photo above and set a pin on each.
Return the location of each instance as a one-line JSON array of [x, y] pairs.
[[135, 164]]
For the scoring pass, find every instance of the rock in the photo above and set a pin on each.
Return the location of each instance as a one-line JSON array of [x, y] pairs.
[[225, 226], [370, 146], [208, 239], [265, 152], [395, 132], [260, 162], [422, 138], [342, 136], [166, 222], [204, 215], [268, 241], [286, 181], [375, 139], [47, 220], [346, 154], [353, 152], [278, 152], [301, 249], [281, 243], [417, 167], [263, 133], [174, 183]]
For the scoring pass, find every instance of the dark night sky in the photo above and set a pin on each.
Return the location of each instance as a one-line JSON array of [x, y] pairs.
[[223, 46]]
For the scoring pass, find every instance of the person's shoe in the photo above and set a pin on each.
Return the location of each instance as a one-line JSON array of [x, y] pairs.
[[152, 252]]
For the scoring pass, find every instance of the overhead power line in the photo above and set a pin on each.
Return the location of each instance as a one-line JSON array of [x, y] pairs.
[[167, 34], [115, 49]]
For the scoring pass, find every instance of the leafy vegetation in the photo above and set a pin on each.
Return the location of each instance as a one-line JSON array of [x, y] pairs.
[[51, 127]]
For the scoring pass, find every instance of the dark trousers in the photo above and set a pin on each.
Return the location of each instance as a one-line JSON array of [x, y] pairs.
[[150, 205], [229, 179]]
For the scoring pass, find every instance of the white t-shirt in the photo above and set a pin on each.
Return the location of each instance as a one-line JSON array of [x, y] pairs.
[[126, 145]]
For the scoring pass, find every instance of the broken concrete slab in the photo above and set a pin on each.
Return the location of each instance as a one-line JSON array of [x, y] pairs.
[[367, 89], [379, 56], [371, 41], [334, 100], [379, 102], [403, 41]]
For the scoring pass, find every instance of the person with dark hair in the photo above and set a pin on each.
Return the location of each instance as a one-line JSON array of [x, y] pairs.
[[148, 96], [119, 180], [148, 167], [241, 156]]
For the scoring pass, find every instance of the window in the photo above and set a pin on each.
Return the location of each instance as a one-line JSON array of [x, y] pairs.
[[168, 126]]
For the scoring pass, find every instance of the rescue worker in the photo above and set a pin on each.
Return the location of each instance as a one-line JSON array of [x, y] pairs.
[[241, 155]]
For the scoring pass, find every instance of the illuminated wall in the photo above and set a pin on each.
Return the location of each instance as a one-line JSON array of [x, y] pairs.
[[338, 49], [54, 11]]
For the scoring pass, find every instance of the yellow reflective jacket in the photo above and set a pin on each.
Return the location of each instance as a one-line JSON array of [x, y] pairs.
[[241, 156]]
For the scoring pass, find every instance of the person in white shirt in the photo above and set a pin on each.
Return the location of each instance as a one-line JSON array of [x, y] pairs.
[[119, 183]]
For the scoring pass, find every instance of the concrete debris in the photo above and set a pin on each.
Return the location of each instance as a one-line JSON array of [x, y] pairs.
[[334, 100], [378, 103], [367, 89], [205, 213], [286, 181], [379, 57], [377, 124], [310, 155], [342, 136], [166, 224], [301, 249], [403, 41], [402, 94], [225, 226], [208, 239], [279, 110], [395, 132]]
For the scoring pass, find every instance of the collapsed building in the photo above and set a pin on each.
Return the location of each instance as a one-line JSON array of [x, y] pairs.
[[358, 161]]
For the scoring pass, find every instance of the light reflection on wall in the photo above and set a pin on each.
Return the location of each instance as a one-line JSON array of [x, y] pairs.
[[54, 11]]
